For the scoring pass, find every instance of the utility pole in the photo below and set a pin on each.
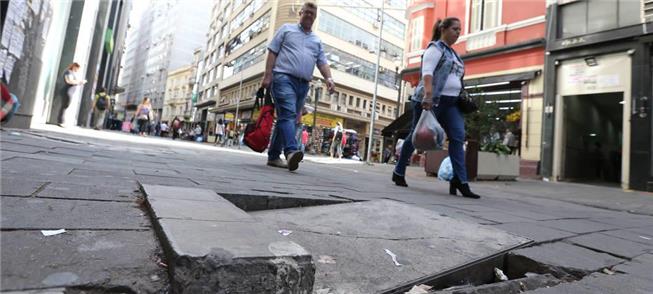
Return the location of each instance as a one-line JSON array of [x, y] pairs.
[[240, 93], [376, 85]]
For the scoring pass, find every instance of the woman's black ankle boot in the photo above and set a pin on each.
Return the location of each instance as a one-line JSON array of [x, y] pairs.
[[399, 180], [455, 184]]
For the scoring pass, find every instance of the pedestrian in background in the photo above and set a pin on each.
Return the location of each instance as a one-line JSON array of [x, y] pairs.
[[219, 132], [292, 55], [304, 139], [143, 115], [73, 84], [176, 127], [441, 86], [101, 104]]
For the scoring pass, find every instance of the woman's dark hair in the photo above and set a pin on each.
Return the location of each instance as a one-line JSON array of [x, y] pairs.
[[442, 24], [73, 65], [220, 121]]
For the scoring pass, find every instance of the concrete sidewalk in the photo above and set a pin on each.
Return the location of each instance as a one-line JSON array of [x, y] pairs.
[[86, 182]]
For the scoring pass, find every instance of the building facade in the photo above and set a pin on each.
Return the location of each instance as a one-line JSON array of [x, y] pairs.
[[502, 45], [237, 47], [179, 88], [43, 38], [166, 38], [597, 109]]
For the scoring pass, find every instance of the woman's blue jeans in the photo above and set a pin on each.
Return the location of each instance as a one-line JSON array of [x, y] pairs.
[[452, 122]]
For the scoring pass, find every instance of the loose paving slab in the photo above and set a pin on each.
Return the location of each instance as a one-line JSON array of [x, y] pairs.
[[221, 249], [348, 243], [640, 267], [101, 259], [642, 236], [42, 213], [558, 258], [601, 283]]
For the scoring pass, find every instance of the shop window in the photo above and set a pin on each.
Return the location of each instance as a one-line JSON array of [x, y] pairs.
[[590, 16], [484, 15]]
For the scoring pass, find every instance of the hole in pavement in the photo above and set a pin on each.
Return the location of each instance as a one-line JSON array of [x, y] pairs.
[[522, 273], [269, 202]]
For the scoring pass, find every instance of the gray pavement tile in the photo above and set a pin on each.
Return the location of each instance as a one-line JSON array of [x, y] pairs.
[[99, 191], [601, 283], [627, 220], [634, 235], [534, 231], [97, 171], [641, 266], [577, 225], [569, 256], [102, 258], [222, 211], [40, 291], [41, 213], [4, 155], [613, 245], [14, 186], [28, 166]]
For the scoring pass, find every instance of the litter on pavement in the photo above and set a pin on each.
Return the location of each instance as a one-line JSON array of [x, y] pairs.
[[285, 232], [500, 275], [645, 238], [326, 259], [52, 232], [394, 257], [421, 289]]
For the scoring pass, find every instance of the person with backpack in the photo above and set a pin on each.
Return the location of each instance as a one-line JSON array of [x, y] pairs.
[[293, 53], [439, 91], [101, 104], [176, 126]]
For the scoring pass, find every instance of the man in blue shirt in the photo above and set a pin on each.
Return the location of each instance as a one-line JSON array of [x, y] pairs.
[[293, 54]]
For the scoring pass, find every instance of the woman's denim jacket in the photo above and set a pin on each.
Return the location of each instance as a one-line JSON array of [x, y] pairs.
[[440, 74]]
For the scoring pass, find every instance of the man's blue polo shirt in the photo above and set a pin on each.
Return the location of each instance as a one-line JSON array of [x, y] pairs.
[[297, 51]]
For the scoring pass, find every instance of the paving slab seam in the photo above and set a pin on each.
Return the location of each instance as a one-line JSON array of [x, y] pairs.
[[78, 198], [599, 251], [145, 229]]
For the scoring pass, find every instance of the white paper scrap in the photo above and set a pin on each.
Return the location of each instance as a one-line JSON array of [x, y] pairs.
[[52, 232], [394, 257], [285, 232], [645, 238]]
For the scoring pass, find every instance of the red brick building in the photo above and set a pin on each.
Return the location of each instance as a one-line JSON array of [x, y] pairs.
[[503, 46]]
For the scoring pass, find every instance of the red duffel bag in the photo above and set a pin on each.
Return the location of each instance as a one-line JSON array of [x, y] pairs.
[[257, 135]]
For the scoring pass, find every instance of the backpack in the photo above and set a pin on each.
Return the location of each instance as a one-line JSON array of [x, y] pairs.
[[101, 102], [257, 135]]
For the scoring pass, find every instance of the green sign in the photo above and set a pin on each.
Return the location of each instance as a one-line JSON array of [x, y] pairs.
[[108, 40], [194, 98]]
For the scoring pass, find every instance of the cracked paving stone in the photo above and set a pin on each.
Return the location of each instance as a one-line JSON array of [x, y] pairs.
[[612, 245]]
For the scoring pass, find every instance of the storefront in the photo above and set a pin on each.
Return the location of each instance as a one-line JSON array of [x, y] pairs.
[[597, 114]]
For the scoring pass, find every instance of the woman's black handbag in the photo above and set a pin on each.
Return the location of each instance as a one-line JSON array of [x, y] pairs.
[[466, 103]]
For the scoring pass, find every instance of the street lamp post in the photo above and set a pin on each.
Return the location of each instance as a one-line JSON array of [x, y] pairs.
[[240, 93], [398, 79], [318, 88], [376, 85]]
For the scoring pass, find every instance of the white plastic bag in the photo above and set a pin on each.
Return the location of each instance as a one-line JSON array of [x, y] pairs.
[[428, 134], [445, 172], [400, 143]]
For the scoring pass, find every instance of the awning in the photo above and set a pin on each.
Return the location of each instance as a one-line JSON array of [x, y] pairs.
[[205, 104], [517, 77], [400, 126]]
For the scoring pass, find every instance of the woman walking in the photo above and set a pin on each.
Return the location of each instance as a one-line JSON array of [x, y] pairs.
[[439, 91], [143, 115], [73, 84]]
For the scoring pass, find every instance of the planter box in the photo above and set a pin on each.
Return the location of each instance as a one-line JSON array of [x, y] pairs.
[[492, 166]]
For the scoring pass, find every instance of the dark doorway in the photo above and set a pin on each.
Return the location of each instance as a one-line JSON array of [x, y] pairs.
[[593, 128]]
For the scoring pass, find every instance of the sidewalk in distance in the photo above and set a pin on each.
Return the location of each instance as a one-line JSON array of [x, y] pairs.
[[87, 182]]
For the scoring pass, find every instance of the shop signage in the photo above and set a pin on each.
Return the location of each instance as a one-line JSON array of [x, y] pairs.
[[322, 120]]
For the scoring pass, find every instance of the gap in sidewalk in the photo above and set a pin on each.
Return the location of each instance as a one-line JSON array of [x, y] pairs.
[[248, 202]]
